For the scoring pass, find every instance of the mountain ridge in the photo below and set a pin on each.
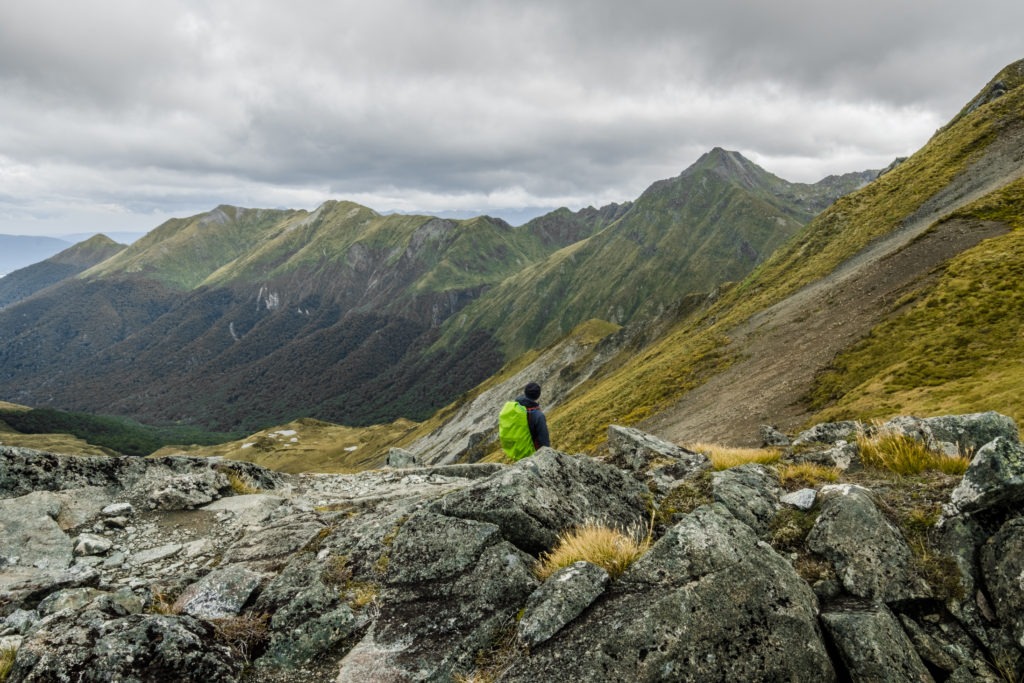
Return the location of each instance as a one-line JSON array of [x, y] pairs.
[[349, 315]]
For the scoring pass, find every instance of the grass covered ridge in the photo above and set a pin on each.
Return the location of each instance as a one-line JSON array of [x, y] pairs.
[[698, 347]]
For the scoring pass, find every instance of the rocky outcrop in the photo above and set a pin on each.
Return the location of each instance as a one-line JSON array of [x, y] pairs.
[[116, 569]]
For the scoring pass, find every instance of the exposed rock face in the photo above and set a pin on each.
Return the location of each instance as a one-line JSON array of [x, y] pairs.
[[870, 556], [678, 613], [425, 573]]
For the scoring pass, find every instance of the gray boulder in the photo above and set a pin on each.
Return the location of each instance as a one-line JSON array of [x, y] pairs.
[[971, 432], [188, 491], [276, 541], [90, 647], [91, 544], [842, 455], [246, 510], [870, 556], [30, 535], [399, 457], [534, 500], [1002, 566], [708, 602], [308, 617], [802, 500], [311, 637], [221, 593], [559, 600], [829, 433], [636, 451], [770, 436], [452, 585], [750, 492], [873, 646], [994, 479]]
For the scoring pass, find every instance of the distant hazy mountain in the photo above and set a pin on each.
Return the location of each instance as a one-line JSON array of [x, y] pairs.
[[18, 251], [26, 281], [119, 236]]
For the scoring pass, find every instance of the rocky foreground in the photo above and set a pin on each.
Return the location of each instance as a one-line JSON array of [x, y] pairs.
[[127, 569]]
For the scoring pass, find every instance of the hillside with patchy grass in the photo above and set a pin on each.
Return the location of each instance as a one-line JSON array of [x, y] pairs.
[[238, 319], [878, 257]]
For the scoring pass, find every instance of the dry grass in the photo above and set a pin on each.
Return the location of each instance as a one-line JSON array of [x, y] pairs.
[[162, 602], [905, 455], [794, 476], [724, 457], [604, 546], [7, 655], [242, 484], [493, 661], [245, 634]]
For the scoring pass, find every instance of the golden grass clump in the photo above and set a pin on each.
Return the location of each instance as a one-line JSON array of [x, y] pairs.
[[7, 655], [806, 475], [725, 457], [609, 548], [905, 455], [241, 484]]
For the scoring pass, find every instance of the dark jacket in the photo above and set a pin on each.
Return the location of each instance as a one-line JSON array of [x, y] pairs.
[[538, 423]]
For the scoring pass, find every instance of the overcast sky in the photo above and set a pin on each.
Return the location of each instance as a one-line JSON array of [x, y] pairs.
[[117, 114]]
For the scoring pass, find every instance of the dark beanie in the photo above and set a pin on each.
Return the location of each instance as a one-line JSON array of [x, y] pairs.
[[532, 391]]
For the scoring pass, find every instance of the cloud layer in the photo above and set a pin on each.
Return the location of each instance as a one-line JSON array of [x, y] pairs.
[[116, 114]]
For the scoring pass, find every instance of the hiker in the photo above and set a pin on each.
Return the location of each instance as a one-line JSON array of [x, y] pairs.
[[522, 426]]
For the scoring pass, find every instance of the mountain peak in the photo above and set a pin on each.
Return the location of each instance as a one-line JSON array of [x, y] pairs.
[[729, 164]]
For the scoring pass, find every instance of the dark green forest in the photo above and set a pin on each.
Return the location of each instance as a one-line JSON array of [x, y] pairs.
[[116, 433]]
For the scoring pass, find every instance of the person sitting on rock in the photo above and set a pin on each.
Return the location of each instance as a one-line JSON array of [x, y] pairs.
[[522, 426]]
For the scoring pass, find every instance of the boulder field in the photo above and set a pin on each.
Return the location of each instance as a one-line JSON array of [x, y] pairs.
[[189, 569]]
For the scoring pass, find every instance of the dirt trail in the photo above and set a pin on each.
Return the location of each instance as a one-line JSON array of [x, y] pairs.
[[785, 346]]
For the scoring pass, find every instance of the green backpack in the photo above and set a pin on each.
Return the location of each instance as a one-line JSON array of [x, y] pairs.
[[514, 431]]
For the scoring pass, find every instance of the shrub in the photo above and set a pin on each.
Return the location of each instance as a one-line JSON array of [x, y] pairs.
[[604, 546], [905, 455], [724, 457]]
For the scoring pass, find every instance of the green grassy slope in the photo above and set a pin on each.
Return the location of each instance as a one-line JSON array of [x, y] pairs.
[[182, 252], [958, 347], [693, 351], [711, 224]]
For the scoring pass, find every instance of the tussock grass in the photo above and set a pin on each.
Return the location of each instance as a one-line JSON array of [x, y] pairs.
[[162, 602], [794, 476], [241, 484], [7, 655], [498, 657], [246, 635], [725, 457], [609, 548], [905, 455]]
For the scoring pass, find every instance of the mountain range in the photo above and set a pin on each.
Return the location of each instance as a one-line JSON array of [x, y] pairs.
[[719, 300], [239, 318]]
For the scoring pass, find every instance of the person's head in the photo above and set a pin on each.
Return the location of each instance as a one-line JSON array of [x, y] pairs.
[[532, 391]]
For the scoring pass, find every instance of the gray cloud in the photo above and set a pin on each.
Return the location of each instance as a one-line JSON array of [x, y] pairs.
[[118, 111]]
